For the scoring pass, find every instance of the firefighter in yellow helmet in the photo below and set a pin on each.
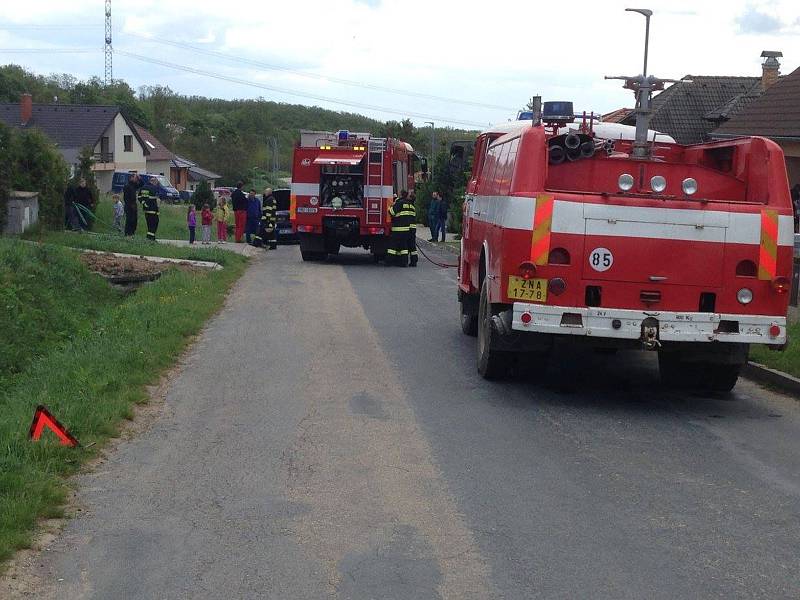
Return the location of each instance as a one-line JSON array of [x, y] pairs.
[[402, 244]]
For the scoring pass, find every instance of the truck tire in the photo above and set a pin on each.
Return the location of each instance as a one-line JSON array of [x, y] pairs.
[[310, 256], [701, 376], [492, 364], [469, 322]]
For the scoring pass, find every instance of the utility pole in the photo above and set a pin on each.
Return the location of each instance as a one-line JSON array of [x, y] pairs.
[[109, 75], [433, 145], [273, 144]]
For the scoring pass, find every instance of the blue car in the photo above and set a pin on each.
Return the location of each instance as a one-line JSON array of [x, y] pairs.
[[166, 192]]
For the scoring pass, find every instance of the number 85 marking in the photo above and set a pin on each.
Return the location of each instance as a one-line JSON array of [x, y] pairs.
[[601, 259]]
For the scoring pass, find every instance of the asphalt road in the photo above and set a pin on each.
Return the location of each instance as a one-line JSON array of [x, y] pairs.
[[329, 437]]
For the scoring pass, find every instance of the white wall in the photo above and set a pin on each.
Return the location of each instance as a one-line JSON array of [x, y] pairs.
[[158, 166], [123, 161]]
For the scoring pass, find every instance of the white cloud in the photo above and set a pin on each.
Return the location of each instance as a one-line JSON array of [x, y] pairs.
[[496, 53]]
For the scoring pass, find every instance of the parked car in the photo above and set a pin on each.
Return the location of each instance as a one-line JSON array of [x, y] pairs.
[[222, 192], [166, 191], [284, 229]]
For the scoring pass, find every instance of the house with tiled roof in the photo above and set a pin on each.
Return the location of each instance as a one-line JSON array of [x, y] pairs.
[[197, 174], [616, 116], [159, 158], [692, 108], [114, 140], [775, 115]]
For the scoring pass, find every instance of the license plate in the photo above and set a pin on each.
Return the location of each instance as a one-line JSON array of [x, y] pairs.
[[534, 290]]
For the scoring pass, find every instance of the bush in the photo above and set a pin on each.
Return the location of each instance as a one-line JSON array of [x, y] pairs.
[[5, 173], [35, 165]]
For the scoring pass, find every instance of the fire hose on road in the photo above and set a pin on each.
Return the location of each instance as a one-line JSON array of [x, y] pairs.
[[438, 264]]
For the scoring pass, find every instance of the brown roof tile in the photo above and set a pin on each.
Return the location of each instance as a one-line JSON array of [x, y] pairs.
[[775, 114]]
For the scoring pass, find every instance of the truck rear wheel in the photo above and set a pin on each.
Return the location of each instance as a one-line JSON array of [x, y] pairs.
[[704, 376], [492, 364]]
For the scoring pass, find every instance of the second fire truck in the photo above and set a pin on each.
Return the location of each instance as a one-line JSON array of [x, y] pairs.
[[343, 184], [573, 232]]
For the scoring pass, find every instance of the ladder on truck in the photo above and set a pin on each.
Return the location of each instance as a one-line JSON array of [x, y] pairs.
[[376, 148]]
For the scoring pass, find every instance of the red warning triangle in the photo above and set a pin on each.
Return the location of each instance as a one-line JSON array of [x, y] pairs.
[[41, 419]]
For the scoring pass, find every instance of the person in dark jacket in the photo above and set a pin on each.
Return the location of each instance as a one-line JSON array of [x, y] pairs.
[[239, 202], [253, 218], [443, 206], [129, 196], [70, 212], [433, 216], [83, 203], [148, 198]]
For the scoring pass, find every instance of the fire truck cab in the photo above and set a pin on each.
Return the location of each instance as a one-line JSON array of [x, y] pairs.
[[569, 232], [343, 184]]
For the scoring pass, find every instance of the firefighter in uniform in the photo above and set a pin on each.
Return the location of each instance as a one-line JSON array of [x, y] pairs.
[[412, 231], [268, 231], [148, 198], [403, 216]]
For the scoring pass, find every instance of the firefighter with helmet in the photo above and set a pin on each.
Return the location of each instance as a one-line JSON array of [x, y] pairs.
[[148, 198], [402, 242], [268, 229]]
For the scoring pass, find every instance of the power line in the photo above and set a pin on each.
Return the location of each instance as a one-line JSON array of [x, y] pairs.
[[219, 76], [46, 50], [369, 86]]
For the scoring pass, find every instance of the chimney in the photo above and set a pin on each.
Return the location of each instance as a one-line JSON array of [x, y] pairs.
[[770, 68], [25, 108]]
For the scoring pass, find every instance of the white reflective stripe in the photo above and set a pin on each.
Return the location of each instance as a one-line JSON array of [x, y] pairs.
[[376, 191], [577, 218], [305, 189], [673, 327]]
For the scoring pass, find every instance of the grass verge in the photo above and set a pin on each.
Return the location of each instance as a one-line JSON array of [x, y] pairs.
[[135, 245], [90, 380], [171, 220], [787, 361]]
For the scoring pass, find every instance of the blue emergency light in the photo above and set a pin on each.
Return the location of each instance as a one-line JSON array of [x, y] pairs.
[[343, 135]]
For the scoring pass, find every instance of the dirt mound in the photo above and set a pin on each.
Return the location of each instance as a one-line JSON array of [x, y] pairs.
[[123, 268]]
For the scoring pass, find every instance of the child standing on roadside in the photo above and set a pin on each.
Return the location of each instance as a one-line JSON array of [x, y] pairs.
[[206, 216], [119, 210], [221, 215], [191, 221]]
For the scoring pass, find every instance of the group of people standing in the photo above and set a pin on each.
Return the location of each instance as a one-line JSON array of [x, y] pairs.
[[255, 218]]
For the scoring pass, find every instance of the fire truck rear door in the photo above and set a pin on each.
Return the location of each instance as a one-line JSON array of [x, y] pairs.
[[649, 245]]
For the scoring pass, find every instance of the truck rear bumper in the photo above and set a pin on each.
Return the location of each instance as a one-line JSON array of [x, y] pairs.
[[627, 324]]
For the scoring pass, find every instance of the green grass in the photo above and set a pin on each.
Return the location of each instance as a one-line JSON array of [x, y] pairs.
[[136, 245], [46, 299], [91, 376], [787, 361]]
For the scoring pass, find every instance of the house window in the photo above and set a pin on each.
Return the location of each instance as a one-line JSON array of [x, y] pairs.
[[128, 142]]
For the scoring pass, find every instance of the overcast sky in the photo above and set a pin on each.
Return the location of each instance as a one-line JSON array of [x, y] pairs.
[[482, 60]]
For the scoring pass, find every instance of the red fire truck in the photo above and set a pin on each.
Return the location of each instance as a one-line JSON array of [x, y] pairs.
[[572, 232], [343, 184]]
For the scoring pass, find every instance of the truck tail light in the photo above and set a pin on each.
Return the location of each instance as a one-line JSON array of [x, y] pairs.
[[306, 229], [527, 270], [525, 317], [774, 330], [782, 285], [375, 230], [557, 286]]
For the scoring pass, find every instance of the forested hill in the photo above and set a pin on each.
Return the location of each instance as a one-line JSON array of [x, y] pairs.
[[229, 137]]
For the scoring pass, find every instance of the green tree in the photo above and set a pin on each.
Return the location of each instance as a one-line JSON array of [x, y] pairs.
[[37, 166], [203, 195]]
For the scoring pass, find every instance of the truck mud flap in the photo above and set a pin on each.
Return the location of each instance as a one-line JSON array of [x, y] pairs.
[[509, 340]]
